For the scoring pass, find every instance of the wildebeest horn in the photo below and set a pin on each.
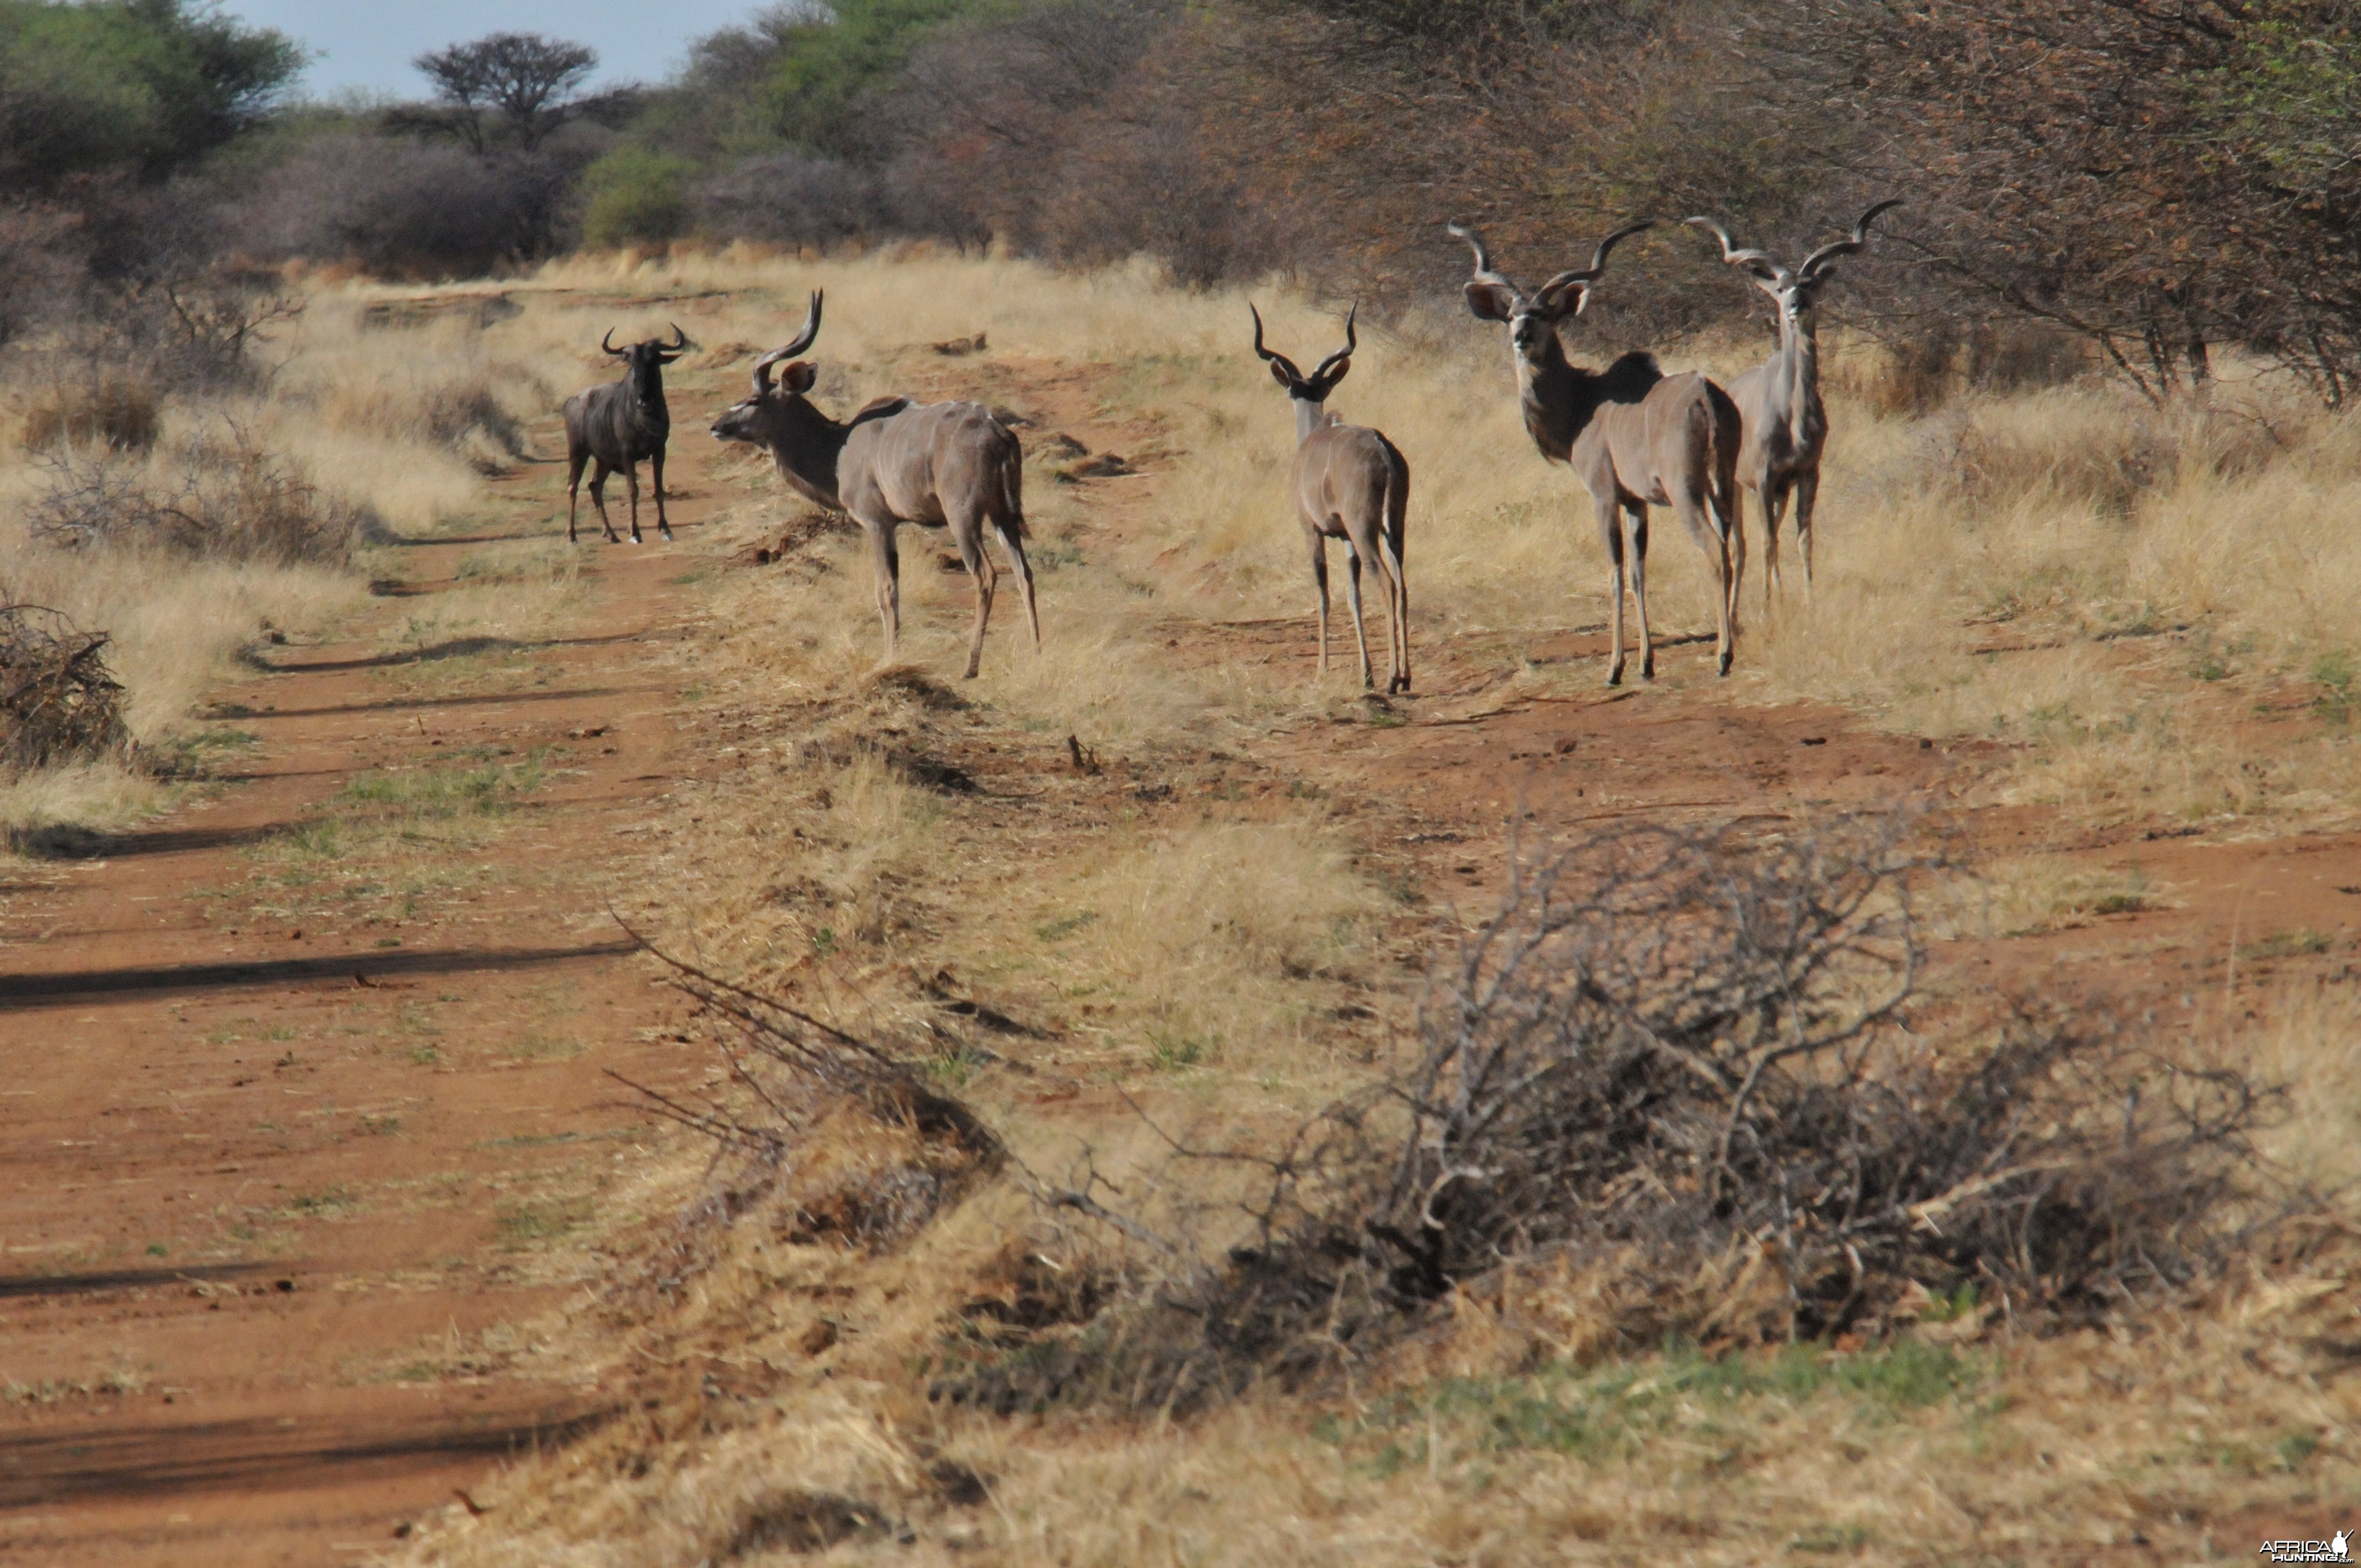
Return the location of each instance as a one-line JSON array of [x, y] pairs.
[[607, 343], [679, 338]]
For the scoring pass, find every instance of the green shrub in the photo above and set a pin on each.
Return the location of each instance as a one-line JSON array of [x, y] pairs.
[[637, 195]]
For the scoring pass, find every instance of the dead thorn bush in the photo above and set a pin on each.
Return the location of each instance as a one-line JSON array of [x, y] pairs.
[[220, 494], [1689, 1061], [58, 701], [835, 1137]]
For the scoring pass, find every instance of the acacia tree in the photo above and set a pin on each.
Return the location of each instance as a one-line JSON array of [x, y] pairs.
[[511, 88]]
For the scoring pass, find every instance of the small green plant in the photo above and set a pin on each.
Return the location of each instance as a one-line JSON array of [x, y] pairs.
[[524, 1225], [2300, 943], [425, 1056], [157, 1249], [1059, 930], [380, 1126], [1828, 1539], [1168, 1052], [322, 839], [327, 1204], [956, 1067], [824, 942], [2335, 672], [1951, 1308]]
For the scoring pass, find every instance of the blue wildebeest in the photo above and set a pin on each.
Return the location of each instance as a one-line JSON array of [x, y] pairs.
[[618, 426], [895, 462], [1349, 483]]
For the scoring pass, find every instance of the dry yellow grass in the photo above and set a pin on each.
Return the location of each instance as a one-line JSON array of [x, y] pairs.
[[403, 425]]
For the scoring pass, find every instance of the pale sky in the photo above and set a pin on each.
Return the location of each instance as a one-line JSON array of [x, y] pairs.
[[372, 46]]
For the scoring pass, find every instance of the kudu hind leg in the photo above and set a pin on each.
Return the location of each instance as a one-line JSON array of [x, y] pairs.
[[1318, 545], [1389, 564], [886, 559], [969, 537], [1635, 527], [1352, 589], [1611, 535]]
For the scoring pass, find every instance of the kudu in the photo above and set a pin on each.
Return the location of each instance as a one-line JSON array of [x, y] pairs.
[[1786, 425], [1349, 483], [895, 462], [1635, 437], [618, 426]]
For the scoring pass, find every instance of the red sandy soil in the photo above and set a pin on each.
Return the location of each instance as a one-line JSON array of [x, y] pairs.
[[259, 1170]]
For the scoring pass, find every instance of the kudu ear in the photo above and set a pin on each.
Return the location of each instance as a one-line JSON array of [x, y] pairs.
[[799, 377], [1284, 377], [1491, 301]]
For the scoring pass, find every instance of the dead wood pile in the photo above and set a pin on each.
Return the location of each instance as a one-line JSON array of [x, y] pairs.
[[58, 701]]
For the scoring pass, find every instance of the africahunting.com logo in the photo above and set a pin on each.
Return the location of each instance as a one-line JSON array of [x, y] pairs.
[[2337, 1548]]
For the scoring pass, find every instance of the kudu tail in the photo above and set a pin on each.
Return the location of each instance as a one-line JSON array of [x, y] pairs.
[[1006, 505]]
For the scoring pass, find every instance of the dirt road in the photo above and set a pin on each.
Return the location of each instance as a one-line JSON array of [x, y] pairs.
[[294, 1121]]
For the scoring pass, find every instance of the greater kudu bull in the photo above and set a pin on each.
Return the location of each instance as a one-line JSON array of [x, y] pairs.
[[618, 426], [895, 462], [1349, 483], [1633, 435]]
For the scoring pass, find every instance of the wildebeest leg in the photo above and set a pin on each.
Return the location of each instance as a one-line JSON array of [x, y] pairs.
[[1611, 535], [631, 483], [968, 534], [575, 460], [1352, 589], [599, 498], [888, 563], [664, 523], [1635, 526], [1319, 543]]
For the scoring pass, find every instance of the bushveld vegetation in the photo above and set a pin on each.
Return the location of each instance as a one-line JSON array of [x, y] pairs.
[[1046, 1329], [1130, 1173]]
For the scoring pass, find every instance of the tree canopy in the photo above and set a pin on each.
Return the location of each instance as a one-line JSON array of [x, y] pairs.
[[147, 85]]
